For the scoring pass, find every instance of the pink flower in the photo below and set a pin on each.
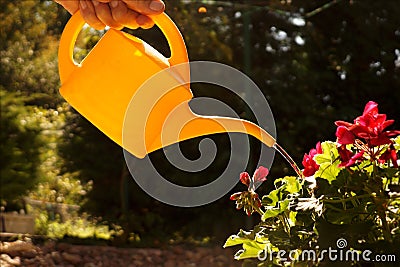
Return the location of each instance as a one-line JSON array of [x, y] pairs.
[[249, 200], [349, 158], [344, 135], [245, 178], [370, 126], [259, 176], [310, 166], [389, 155]]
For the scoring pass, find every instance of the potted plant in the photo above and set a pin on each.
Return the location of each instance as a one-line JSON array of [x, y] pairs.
[[343, 208]]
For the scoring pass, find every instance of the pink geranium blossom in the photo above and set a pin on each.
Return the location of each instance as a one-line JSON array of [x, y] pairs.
[[370, 126], [349, 158], [366, 133], [245, 178], [259, 176], [310, 166], [389, 155], [249, 199]]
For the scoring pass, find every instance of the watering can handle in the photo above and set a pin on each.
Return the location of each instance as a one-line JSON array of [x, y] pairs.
[[68, 38]]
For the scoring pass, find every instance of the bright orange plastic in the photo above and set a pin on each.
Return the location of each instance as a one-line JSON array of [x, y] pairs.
[[102, 86]]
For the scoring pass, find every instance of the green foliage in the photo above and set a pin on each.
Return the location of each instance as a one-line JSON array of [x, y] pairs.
[[277, 201], [21, 142], [81, 226], [280, 228], [397, 143], [28, 53], [62, 189]]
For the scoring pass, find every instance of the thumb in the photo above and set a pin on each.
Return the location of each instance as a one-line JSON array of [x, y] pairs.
[[146, 7]]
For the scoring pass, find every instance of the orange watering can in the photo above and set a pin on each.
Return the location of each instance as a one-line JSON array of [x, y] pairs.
[[107, 85]]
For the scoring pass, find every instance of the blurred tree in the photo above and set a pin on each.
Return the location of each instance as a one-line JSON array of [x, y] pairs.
[[30, 104], [19, 149], [30, 31]]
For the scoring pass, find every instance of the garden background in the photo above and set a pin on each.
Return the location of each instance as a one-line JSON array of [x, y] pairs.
[[315, 61]]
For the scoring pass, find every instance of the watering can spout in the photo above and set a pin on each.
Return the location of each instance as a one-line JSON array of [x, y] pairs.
[[210, 125], [183, 124]]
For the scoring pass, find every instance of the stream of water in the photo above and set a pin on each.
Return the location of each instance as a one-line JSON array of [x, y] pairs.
[[289, 159]]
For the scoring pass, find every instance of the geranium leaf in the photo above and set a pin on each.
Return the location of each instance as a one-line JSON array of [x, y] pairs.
[[283, 205], [272, 212], [250, 250], [328, 162], [292, 184], [240, 238], [269, 213], [272, 198], [329, 153], [292, 218], [234, 240], [397, 143], [328, 172]]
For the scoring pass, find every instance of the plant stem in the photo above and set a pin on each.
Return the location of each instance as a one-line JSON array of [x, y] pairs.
[[286, 223], [259, 211], [283, 221]]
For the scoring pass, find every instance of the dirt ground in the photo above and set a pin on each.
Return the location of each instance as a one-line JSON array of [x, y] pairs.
[[51, 253]]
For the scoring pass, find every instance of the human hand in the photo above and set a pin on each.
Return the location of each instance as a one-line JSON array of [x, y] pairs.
[[115, 13]]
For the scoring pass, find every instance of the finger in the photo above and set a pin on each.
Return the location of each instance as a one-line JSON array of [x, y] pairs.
[[146, 7], [145, 22], [103, 13], [70, 6], [123, 15], [89, 15], [131, 19]]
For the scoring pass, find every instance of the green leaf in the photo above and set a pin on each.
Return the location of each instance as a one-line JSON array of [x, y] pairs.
[[292, 218], [328, 172], [397, 143], [273, 212], [238, 239], [328, 161], [390, 172], [233, 240], [288, 184], [269, 213], [329, 153], [272, 198], [250, 250], [292, 184], [252, 244], [283, 205], [279, 238]]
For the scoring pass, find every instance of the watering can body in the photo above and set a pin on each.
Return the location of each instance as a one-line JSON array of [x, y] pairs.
[[105, 86]]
